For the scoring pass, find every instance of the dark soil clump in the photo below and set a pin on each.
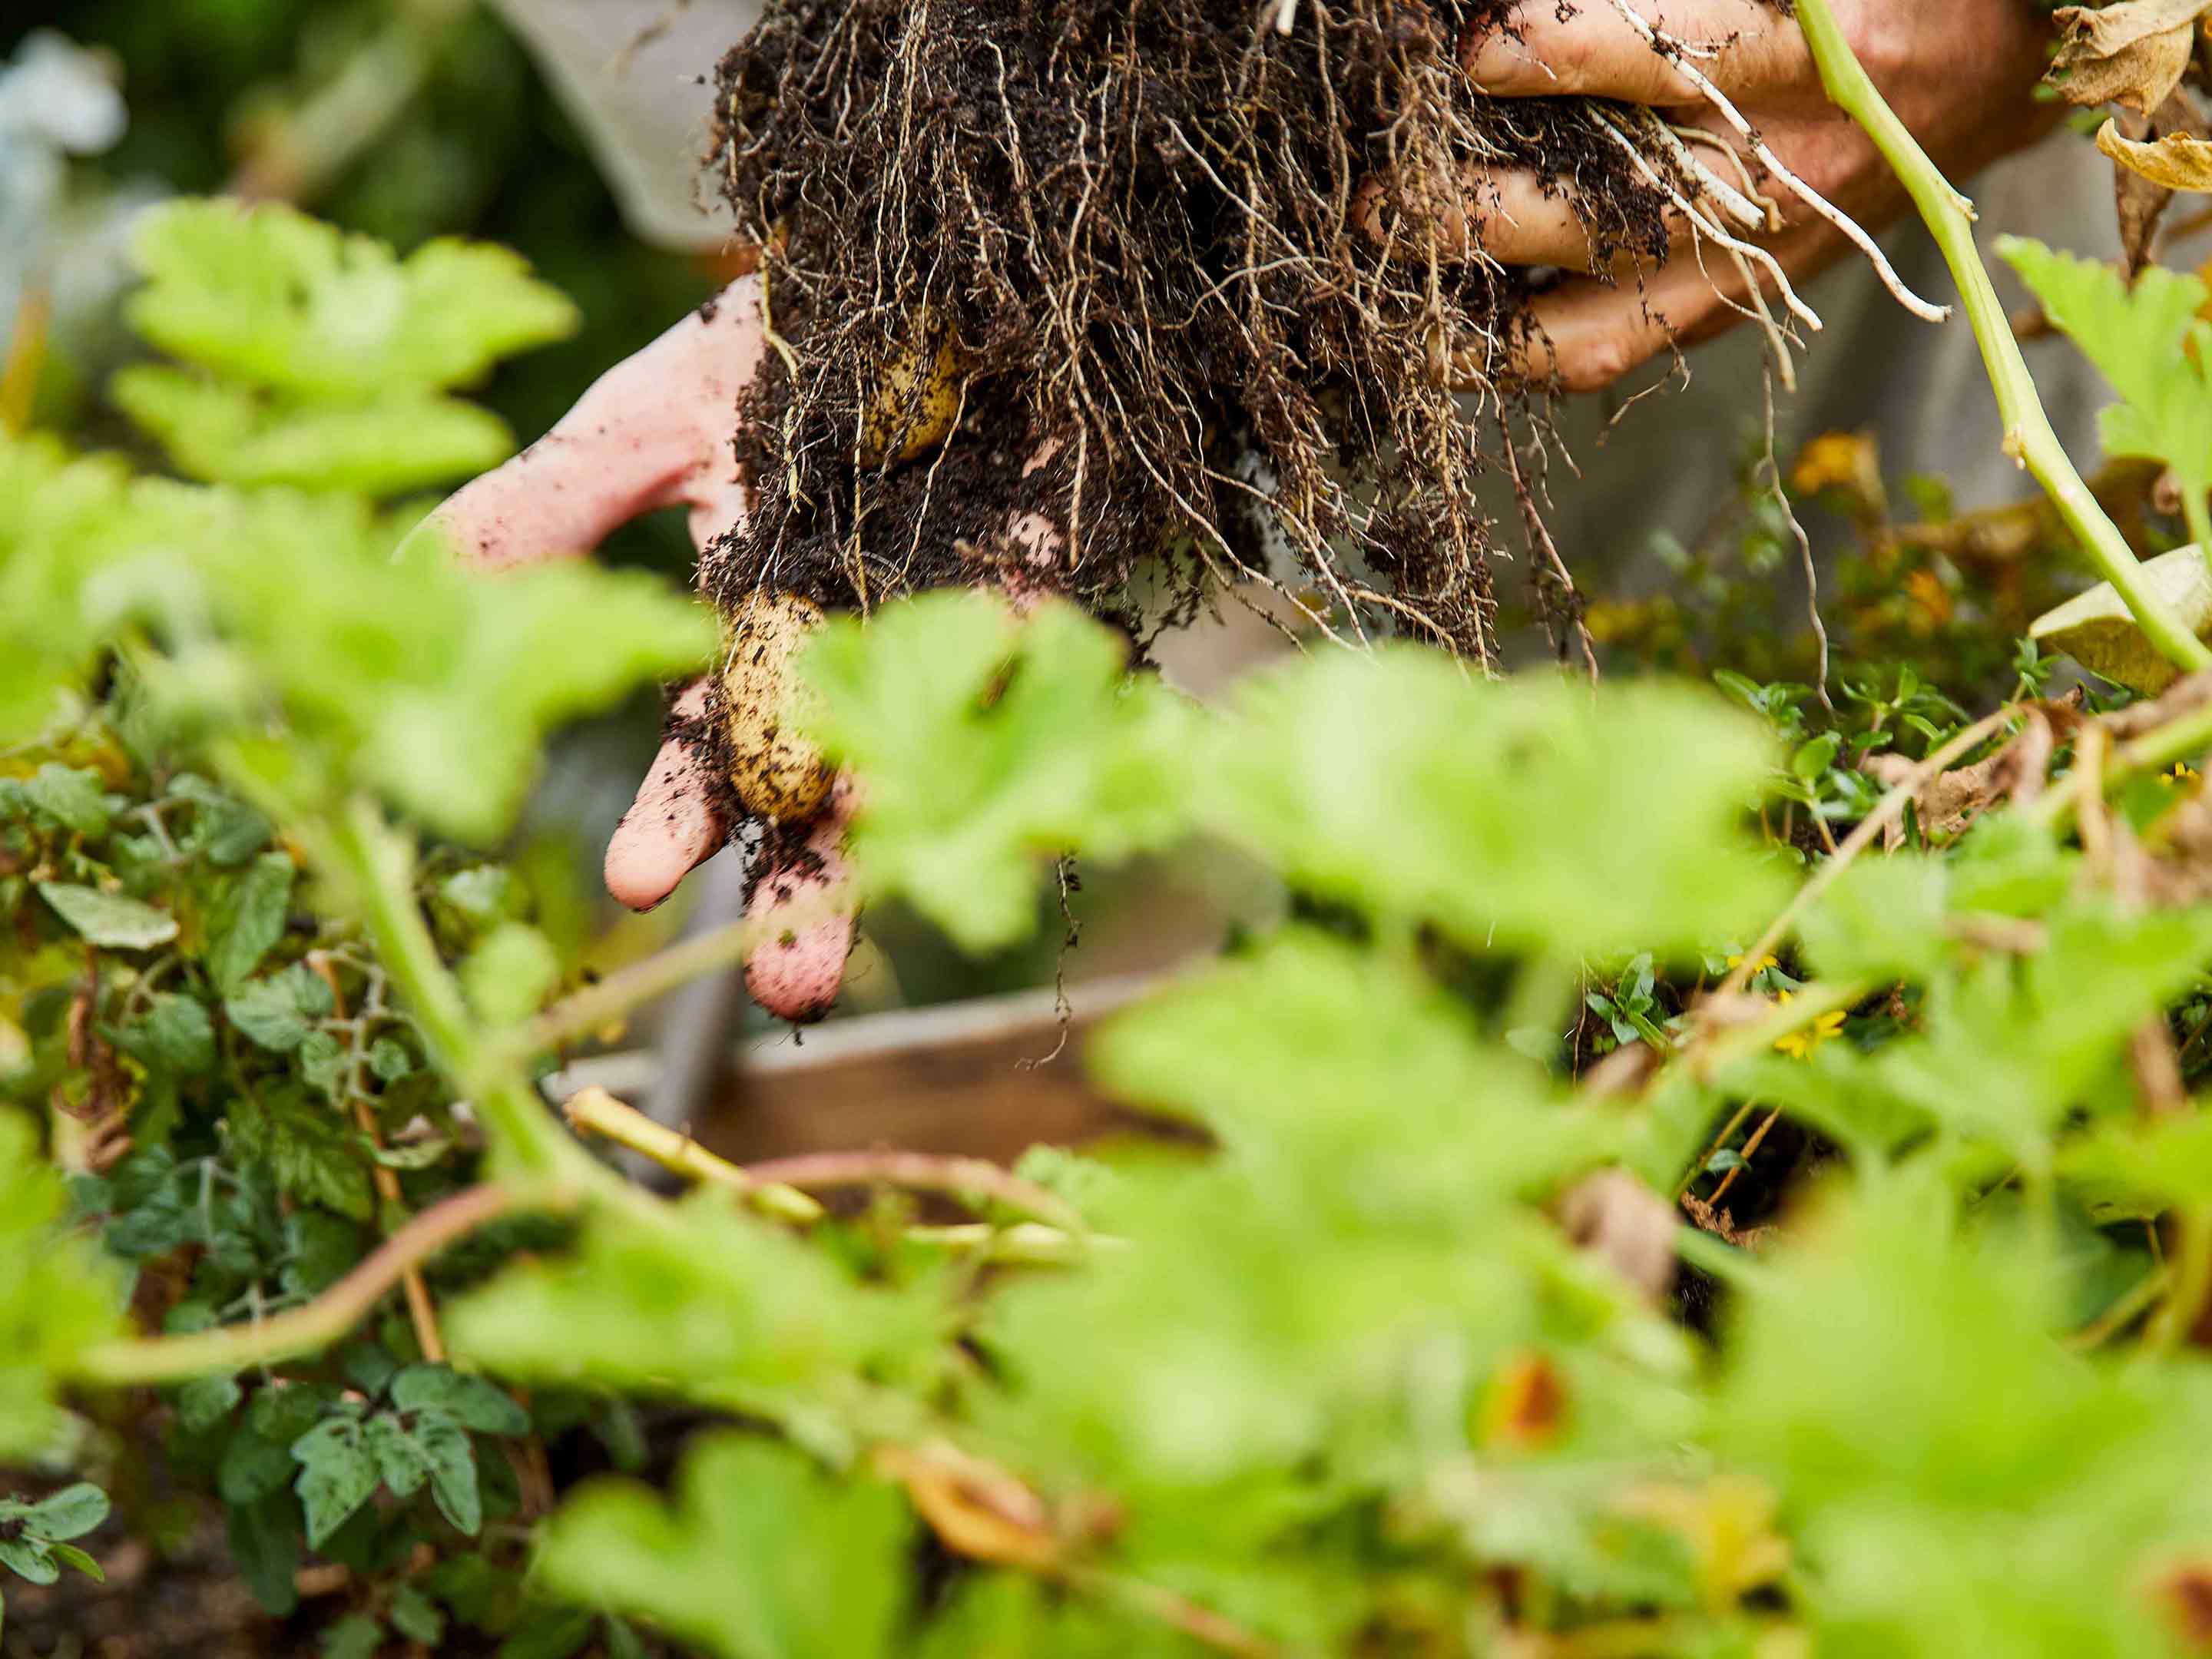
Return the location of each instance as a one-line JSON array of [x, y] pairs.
[[1124, 239]]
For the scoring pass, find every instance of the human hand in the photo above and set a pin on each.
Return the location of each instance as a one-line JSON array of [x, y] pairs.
[[656, 431], [1960, 73]]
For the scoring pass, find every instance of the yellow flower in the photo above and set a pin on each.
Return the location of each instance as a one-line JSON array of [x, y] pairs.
[[1758, 968], [2182, 773], [1799, 1044]]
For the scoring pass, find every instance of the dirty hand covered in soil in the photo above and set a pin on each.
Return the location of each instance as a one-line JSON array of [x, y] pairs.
[[1961, 74], [655, 432], [1051, 291]]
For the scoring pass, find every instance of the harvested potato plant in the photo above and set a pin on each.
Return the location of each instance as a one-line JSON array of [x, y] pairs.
[[1193, 276]]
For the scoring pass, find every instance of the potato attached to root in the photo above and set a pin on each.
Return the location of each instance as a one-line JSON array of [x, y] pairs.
[[776, 772], [916, 402]]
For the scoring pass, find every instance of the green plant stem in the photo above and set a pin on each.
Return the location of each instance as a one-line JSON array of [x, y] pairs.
[[2028, 435], [2153, 751], [329, 1316], [2198, 516], [959, 1177], [597, 1112], [2191, 1280], [379, 868], [595, 1005]]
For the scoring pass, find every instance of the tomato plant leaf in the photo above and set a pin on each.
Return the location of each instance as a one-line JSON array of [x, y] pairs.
[[109, 919], [474, 1402], [337, 1473], [248, 920]]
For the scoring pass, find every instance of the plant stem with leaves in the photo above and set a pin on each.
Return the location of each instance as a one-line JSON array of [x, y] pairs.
[[2029, 438]]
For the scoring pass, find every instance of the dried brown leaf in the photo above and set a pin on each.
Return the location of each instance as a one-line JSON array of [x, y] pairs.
[[2133, 54], [1718, 1223], [2175, 161], [1950, 802]]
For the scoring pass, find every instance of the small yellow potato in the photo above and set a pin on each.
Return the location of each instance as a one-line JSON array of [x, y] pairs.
[[914, 405], [777, 773]]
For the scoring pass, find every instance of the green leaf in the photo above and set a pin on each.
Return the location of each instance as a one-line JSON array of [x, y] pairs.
[[1960, 1484], [389, 1059], [324, 1062], [64, 522], [475, 1402], [72, 797], [337, 1473], [31, 1558], [416, 1616], [1814, 757], [173, 1035], [69, 1555], [708, 1301], [270, 297], [58, 1296], [452, 1461], [762, 1556], [452, 726], [369, 1367], [1398, 784], [403, 438], [2147, 338], [1371, 1137], [282, 1411], [322, 1247], [400, 1461], [548, 1633], [509, 976], [253, 1466], [248, 920], [989, 745], [70, 1513], [224, 831], [278, 1010], [1881, 919], [264, 1543], [308, 1144], [2010, 1049], [206, 1400], [109, 919], [357, 1636]]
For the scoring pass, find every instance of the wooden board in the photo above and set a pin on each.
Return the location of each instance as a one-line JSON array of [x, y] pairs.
[[985, 1078]]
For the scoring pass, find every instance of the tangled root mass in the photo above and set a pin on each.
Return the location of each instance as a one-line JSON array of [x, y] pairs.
[[1117, 241]]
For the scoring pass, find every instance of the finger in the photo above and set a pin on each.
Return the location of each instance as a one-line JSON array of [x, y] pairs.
[[652, 431], [1511, 216], [796, 973], [1594, 51], [1586, 334], [673, 826]]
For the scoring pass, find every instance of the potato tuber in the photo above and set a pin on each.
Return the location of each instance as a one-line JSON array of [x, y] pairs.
[[776, 772]]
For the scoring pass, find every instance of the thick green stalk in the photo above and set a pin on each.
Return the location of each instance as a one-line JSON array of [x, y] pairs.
[[379, 867], [2028, 435]]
